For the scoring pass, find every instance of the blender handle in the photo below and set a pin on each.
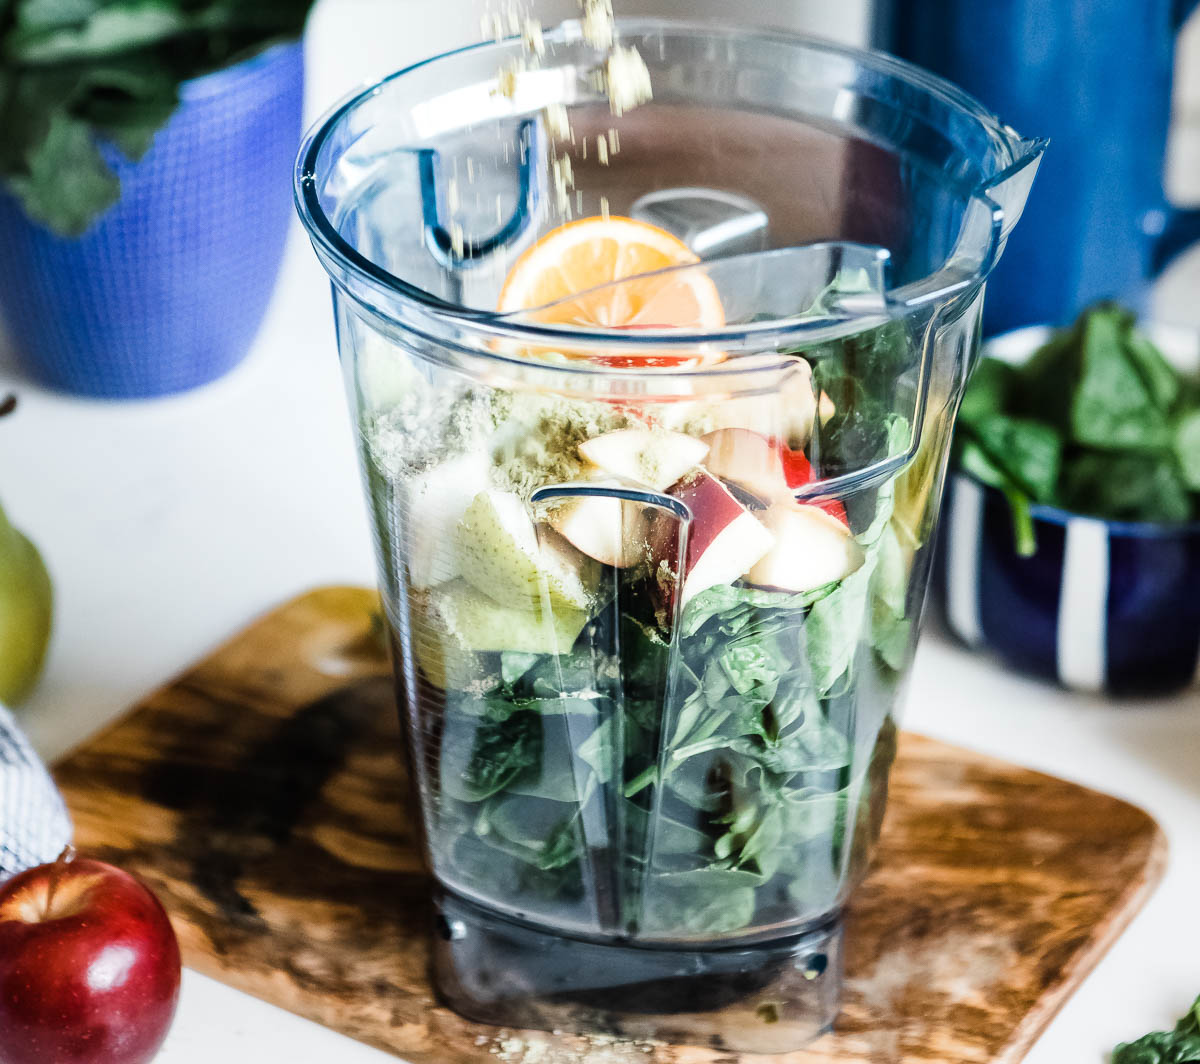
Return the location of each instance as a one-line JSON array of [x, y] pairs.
[[437, 234], [1181, 229], [1177, 228], [1174, 229], [668, 506]]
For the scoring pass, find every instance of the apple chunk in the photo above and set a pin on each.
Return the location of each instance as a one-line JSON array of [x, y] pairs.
[[655, 458], [724, 539], [436, 501], [812, 548], [613, 531], [765, 468], [788, 410]]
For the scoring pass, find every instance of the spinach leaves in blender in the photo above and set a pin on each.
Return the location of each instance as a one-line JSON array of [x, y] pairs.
[[722, 773]]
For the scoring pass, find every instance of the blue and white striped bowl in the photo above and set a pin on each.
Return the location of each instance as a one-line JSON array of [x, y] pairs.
[[1102, 606]]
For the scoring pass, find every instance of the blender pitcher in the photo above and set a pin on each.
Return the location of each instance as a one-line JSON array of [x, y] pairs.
[[653, 592]]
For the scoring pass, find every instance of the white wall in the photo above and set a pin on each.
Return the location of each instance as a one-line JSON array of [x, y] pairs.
[[366, 29]]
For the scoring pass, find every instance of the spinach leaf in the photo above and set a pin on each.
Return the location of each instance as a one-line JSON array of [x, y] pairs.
[[546, 832], [1096, 421], [1180, 1046], [811, 814], [598, 751], [1112, 407], [993, 385], [1187, 448], [500, 752], [515, 664], [864, 376], [735, 603], [973, 460], [1161, 381], [704, 906], [1028, 453], [890, 627], [1126, 487], [835, 626]]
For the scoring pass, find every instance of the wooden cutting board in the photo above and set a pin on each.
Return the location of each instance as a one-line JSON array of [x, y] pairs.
[[262, 796]]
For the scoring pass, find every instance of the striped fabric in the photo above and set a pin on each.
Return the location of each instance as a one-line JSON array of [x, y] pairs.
[[34, 826]]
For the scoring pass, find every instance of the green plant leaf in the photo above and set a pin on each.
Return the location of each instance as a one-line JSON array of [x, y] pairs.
[[1113, 408], [1186, 443], [127, 103], [107, 31], [110, 69], [1048, 379], [1126, 487], [598, 751], [68, 183], [36, 16], [496, 752], [1027, 453], [1162, 382], [991, 388], [891, 630]]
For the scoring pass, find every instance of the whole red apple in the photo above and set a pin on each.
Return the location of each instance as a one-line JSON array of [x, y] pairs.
[[89, 966]]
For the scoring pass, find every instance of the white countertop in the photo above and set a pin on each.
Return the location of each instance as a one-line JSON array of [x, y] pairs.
[[169, 524]]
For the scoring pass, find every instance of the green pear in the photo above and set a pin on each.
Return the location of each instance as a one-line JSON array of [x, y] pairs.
[[454, 621], [25, 612], [500, 554]]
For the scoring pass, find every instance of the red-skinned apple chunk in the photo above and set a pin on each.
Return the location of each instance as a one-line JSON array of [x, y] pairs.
[[812, 548], [609, 529], [766, 468], [89, 967], [724, 538], [788, 412]]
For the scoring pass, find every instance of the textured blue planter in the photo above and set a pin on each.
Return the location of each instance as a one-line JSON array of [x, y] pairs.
[[167, 289]]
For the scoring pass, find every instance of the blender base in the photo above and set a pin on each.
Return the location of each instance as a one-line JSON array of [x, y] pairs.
[[767, 997]]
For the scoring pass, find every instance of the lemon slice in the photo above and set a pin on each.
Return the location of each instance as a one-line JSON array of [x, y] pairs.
[[555, 277]]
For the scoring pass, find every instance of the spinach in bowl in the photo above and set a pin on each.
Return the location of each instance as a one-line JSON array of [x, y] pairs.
[[1097, 422]]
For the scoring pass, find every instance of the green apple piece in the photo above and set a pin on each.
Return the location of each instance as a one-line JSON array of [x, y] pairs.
[[436, 501], [26, 602], [454, 622], [482, 624], [499, 554]]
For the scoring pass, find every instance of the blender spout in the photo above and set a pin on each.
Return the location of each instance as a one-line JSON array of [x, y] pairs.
[[989, 215], [1009, 188]]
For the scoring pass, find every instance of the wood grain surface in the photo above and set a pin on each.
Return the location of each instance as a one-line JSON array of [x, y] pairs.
[[261, 794]]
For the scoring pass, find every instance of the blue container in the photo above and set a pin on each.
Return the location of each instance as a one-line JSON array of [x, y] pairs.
[[1094, 76], [1101, 606], [167, 289]]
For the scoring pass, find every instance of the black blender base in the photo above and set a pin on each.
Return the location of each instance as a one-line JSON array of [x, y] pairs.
[[763, 998]]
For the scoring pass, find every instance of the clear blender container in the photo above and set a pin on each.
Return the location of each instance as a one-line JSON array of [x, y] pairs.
[[653, 593]]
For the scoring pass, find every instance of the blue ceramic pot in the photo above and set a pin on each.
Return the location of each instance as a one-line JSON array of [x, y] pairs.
[[1101, 606], [167, 289]]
